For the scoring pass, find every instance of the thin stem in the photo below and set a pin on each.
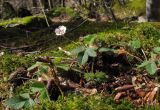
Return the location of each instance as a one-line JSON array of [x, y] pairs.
[[44, 13], [144, 54]]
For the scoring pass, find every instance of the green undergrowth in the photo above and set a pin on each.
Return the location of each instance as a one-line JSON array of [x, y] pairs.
[[29, 20], [147, 33], [110, 34], [10, 62], [62, 11], [130, 9], [96, 102]]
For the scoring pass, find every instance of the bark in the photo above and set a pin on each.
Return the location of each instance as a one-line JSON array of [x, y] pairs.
[[107, 4], [153, 10]]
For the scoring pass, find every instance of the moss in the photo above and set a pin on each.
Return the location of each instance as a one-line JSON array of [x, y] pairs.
[[137, 5], [110, 33], [131, 8], [78, 102], [98, 102], [9, 63], [26, 21]]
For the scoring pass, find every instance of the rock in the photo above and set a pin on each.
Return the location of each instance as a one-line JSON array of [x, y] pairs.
[[141, 19], [23, 12], [8, 11]]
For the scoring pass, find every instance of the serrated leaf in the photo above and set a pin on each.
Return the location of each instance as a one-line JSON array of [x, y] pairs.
[[15, 102], [157, 50], [78, 50], [18, 102], [151, 68], [91, 52]]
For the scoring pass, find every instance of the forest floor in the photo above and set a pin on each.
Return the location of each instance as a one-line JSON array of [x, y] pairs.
[[95, 65]]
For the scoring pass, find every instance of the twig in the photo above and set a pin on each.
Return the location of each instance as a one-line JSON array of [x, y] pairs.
[[44, 13], [144, 54]]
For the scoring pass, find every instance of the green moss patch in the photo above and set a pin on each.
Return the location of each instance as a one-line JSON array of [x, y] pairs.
[[26, 21]]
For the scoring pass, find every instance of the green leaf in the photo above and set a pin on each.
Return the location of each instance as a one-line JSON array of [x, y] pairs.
[[136, 44], [143, 64], [84, 58], [37, 86], [157, 50], [15, 102], [80, 56], [29, 103], [151, 68], [78, 50], [18, 102], [25, 95], [44, 94], [91, 52]]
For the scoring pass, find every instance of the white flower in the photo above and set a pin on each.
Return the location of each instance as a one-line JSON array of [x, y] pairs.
[[2, 53], [61, 30]]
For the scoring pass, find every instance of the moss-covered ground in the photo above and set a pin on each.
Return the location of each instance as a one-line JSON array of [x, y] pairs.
[[110, 33], [48, 43]]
